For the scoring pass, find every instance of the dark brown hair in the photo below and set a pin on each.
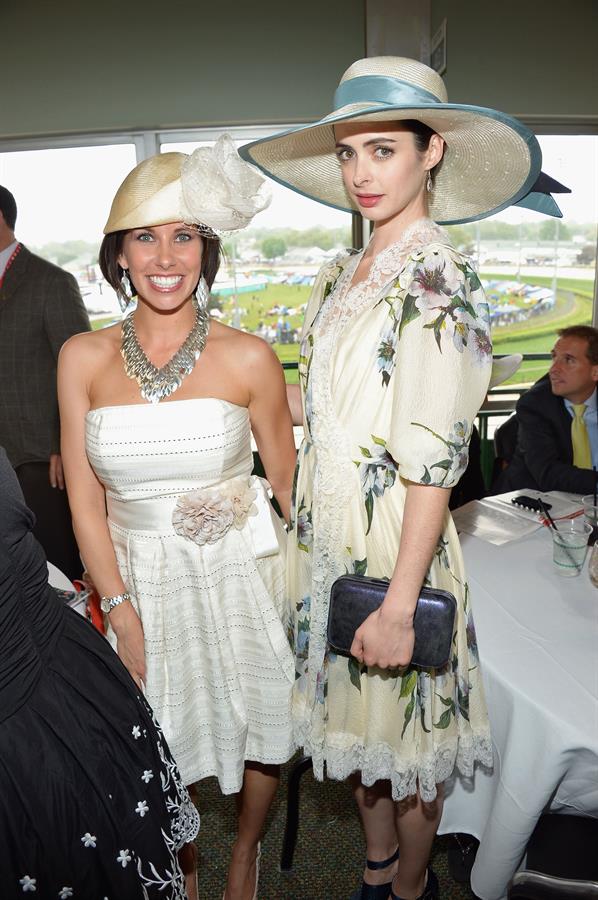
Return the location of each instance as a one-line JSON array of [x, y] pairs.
[[584, 333], [112, 247], [8, 207], [421, 135]]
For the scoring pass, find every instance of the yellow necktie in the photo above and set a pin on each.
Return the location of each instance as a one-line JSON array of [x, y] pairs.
[[582, 454]]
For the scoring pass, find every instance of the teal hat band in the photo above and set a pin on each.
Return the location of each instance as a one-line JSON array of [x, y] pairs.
[[372, 89]]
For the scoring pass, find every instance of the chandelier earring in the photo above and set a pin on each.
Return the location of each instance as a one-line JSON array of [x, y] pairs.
[[125, 294], [429, 184], [202, 293]]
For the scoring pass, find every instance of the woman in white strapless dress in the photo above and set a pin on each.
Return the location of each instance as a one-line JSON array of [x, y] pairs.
[[189, 558]]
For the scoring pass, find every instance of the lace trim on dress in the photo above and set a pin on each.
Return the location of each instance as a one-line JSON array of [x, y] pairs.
[[346, 301], [381, 762]]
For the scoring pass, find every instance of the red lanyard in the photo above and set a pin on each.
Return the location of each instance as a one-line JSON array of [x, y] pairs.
[[12, 258]]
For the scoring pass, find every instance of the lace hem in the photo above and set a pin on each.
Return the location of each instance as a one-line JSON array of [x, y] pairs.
[[381, 762]]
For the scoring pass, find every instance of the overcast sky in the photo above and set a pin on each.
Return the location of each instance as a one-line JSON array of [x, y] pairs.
[[65, 194]]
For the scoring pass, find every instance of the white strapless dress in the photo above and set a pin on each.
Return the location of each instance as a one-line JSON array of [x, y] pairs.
[[219, 666]]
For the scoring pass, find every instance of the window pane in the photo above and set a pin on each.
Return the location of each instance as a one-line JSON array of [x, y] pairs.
[[63, 199], [264, 286], [538, 271]]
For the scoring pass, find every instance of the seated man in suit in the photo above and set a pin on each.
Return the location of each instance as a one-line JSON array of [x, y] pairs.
[[557, 440]]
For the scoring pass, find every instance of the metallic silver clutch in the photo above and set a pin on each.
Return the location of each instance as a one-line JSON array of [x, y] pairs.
[[354, 597]]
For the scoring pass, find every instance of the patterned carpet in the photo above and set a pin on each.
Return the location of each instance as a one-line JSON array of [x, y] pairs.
[[329, 854]]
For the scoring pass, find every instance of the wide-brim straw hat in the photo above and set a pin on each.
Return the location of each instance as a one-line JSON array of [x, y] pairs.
[[211, 188], [491, 160]]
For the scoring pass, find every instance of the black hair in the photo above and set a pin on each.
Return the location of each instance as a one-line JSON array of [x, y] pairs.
[[8, 207]]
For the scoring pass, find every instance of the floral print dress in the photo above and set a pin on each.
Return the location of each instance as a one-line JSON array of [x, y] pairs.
[[393, 372]]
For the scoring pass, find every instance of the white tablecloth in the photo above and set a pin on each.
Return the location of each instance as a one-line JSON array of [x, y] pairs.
[[538, 642]]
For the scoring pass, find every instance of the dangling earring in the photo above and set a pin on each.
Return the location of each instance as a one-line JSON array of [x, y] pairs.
[[429, 182], [202, 293], [125, 295]]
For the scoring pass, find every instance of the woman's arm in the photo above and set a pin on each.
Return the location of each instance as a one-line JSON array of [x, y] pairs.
[[386, 638], [294, 401], [271, 423], [88, 502]]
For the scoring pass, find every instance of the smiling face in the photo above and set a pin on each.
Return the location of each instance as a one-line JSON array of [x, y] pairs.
[[572, 375], [164, 263], [383, 171]]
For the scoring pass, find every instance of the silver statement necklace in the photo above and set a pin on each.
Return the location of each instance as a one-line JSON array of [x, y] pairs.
[[157, 383]]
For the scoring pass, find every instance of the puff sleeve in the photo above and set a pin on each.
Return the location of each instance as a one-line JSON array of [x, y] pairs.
[[439, 357]]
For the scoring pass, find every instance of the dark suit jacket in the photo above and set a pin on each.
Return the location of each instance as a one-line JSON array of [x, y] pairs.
[[543, 457], [40, 307]]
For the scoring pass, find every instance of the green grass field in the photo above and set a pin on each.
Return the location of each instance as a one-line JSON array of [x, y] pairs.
[[573, 307]]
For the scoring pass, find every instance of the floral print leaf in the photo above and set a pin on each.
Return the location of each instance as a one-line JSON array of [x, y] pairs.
[[408, 714], [409, 313], [444, 720], [426, 477], [369, 508], [355, 670], [360, 566], [365, 452], [408, 683], [446, 701], [379, 441]]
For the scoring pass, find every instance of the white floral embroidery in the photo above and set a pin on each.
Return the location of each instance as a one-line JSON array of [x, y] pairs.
[[65, 892], [123, 858], [136, 732], [141, 808], [28, 884], [88, 840], [147, 775]]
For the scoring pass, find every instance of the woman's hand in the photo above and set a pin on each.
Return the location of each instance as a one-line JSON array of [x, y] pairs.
[[384, 642], [129, 641]]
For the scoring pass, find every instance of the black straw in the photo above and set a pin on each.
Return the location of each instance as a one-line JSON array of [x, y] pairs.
[[547, 514]]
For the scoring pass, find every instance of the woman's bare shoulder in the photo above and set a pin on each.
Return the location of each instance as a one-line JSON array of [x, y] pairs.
[[91, 346], [240, 345]]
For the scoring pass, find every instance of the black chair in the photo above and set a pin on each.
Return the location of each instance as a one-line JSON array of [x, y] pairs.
[[536, 886], [505, 442], [562, 860]]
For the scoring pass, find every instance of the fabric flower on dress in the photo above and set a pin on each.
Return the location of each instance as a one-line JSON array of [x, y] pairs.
[[242, 497], [28, 884], [205, 516], [141, 808], [88, 840], [65, 892]]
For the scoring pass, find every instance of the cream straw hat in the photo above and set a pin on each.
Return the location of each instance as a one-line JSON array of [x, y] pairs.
[[213, 189], [490, 161]]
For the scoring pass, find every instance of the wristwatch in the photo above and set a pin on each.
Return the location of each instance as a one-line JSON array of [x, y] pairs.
[[107, 604]]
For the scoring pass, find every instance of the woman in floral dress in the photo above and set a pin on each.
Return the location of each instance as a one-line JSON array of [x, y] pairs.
[[395, 363]]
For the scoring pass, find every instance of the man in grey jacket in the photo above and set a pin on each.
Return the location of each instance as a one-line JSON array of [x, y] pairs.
[[40, 307]]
